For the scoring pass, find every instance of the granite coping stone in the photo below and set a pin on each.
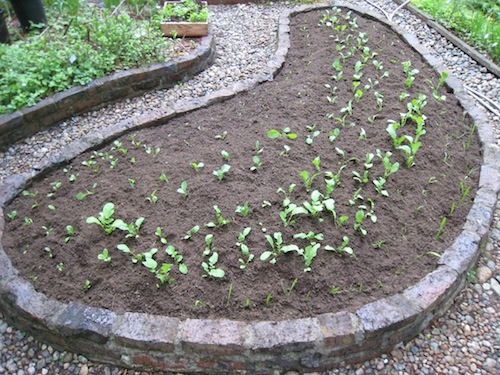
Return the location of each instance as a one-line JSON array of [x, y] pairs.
[[144, 341]]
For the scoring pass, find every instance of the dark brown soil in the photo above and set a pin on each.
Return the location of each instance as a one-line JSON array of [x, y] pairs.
[[408, 219]]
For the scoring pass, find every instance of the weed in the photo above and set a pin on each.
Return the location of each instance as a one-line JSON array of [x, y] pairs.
[[86, 286]]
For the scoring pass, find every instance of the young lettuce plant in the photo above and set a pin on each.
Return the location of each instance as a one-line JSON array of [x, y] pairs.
[[105, 219], [183, 189], [247, 257], [210, 266], [277, 248], [285, 133], [343, 248], [190, 233], [243, 210], [178, 258], [220, 220], [220, 173]]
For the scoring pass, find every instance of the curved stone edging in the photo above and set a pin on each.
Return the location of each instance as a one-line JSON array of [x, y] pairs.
[[138, 340], [105, 90]]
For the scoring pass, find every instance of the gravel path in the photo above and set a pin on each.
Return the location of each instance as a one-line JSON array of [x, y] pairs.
[[464, 341]]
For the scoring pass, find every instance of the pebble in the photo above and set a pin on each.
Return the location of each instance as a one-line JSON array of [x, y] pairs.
[[464, 340], [483, 274]]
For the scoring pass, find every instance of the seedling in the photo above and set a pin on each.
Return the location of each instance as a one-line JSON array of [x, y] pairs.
[[86, 286], [390, 168], [131, 183], [105, 219], [12, 215], [221, 136], [197, 166], [60, 266], [48, 250], [56, 185], [225, 155], [82, 195], [356, 196], [285, 133], [464, 192], [311, 136], [136, 257], [104, 256], [379, 186], [343, 248], [257, 163], [277, 248], [27, 193], [333, 290], [220, 173], [308, 179], [317, 163], [229, 293], [309, 253], [134, 142], [153, 198], [410, 73], [243, 210], [362, 135], [27, 221], [286, 152], [190, 233], [220, 220], [245, 251], [70, 231], [149, 150], [360, 215], [199, 304], [183, 190], [163, 177], [178, 258], [51, 207], [333, 134], [315, 206], [132, 229], [210, 267], [440, 230], [117, 145]]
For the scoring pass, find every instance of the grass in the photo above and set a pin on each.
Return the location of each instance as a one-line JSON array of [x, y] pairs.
[[477, 21]]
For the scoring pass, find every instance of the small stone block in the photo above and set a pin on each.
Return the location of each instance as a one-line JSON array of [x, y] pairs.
[[432, 289], [284, 336], [7, 270], [341, 329], [489, 178], [387, 314], [29, 304], [144, 331], [463, 253], [218, 336], [92, 323]]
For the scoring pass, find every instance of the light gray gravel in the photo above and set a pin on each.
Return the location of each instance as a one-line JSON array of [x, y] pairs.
[[466, 340]]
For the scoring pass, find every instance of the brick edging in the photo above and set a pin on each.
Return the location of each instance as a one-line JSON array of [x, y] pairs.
[[130, 83], [143, 341]]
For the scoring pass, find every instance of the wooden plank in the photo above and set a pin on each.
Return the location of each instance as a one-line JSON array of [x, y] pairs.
[[185, 29]]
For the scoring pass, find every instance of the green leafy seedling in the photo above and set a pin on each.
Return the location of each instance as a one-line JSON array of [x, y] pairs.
[[104, 256], [183, 189], [190, 233]]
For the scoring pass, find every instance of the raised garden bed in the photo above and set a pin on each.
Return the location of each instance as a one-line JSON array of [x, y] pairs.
[[404, 272]]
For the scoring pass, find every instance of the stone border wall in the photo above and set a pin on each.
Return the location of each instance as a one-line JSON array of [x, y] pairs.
[[142, 341], [28, 121]]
